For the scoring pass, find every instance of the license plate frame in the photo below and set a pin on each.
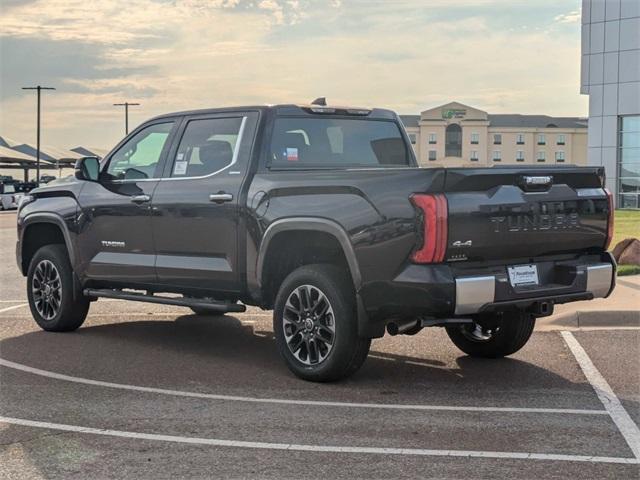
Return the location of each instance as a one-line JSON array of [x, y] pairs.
[[523, 275]]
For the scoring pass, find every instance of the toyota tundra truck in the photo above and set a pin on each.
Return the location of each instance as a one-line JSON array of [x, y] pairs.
[[321, 214]]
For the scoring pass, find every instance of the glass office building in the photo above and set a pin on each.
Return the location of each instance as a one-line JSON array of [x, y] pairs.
[[629, 162], [610, 75]]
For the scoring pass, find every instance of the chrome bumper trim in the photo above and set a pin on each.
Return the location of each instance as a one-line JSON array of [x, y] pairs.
[[599, 278], [474, 292]]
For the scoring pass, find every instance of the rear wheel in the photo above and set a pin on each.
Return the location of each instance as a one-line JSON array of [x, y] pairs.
[[495, 337], [55, 303], [314, 322]]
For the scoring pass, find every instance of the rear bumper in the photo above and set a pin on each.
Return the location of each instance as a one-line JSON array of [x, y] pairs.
[[459, 290], [477, 294]]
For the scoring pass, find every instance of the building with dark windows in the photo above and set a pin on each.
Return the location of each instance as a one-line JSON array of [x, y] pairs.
[[457, 135], [610, 75]]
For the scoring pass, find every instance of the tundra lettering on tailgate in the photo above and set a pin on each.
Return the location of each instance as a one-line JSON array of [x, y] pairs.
[[535, 222]]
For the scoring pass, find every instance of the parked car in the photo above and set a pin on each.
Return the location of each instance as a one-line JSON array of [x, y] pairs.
[[46, 178], [9, 197], [25, 187], [322, 215]]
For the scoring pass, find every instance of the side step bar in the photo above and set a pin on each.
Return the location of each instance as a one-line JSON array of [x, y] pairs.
[[222, 307]]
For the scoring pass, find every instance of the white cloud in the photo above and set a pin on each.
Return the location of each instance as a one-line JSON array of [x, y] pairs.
[[203, 53], [571, 17]]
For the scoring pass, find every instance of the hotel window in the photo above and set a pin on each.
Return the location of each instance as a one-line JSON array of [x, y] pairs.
[[560, 139], [497, 156], [497, 139], [453, 140], [475, 138], [432, 138], [432, 155], [541, 139], [560, 156], [541, 156], [474, 155], [520, 156], [520, 139], [629, 162], [412, 138]]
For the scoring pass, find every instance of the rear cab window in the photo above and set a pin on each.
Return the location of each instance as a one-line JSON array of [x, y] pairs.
[[320, 142]]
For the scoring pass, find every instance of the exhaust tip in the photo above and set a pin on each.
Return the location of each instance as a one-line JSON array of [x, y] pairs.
[[396, 329]]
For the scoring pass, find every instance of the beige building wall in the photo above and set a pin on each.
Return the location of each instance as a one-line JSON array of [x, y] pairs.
[[476, 125]]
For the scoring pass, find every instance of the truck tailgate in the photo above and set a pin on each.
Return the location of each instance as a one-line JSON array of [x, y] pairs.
[[503, 213]]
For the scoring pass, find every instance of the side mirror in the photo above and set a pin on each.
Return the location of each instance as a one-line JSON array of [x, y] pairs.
[[88, 168]]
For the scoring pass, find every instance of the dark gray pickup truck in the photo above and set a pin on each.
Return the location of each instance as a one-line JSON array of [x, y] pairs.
[[321, 214]]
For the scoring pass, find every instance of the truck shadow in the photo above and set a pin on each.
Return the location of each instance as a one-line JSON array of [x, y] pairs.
[[221, 355]]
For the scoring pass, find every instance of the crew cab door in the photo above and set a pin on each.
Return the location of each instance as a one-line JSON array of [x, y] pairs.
[[115, 239], [196, 209]]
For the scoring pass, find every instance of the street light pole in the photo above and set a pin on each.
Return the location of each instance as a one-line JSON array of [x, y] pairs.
[[126, 106], [38, 88]]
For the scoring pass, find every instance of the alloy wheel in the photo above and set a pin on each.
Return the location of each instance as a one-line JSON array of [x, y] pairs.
[[46, 288], [309, 325], [477, 333]]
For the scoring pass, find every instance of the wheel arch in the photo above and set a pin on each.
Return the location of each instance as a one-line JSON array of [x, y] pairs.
[[44, 223], [310, 224]]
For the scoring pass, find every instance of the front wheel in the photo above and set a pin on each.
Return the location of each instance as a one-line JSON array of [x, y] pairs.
[[55, 303], [314, 322], [495, 337]]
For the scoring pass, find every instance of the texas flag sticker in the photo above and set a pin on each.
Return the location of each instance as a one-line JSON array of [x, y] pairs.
[[291, 154]]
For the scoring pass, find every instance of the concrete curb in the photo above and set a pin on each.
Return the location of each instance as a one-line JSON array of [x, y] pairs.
[[590, 319]]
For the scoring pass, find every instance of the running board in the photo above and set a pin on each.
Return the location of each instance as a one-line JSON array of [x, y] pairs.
[[222, 307]]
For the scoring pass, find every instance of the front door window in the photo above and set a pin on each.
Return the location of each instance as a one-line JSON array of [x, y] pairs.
[[138, 158]]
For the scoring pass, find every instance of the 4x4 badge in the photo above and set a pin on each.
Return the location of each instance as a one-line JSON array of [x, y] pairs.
[[459, 243]]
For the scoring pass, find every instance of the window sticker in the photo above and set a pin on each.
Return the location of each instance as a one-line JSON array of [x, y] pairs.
[[180, 168], [291, 154]]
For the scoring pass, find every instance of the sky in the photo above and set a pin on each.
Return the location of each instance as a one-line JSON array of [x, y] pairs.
[[502, 56]]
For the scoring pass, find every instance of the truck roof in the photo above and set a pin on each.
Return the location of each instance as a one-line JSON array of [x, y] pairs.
[[293, 109]]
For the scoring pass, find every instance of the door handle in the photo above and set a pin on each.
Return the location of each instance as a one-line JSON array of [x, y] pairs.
[[220, 197], [140, 198]]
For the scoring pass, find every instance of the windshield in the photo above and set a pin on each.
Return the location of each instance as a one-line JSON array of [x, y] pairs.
[[331, 142]]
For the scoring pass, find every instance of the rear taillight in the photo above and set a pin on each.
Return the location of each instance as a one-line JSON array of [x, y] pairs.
[[434, 228], [607, 243]]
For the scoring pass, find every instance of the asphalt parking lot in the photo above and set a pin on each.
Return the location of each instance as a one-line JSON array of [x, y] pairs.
[[149, 391]]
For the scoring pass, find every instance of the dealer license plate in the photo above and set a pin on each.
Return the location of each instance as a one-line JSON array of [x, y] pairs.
[[520, 275]]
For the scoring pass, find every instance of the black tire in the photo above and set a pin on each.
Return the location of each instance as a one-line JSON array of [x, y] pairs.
[[509, 333], [203, 311], [348, 351], [72, 306]]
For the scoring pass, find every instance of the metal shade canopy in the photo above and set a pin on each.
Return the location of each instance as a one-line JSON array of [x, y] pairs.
[[90, 151], [9, 155], [49, 154]]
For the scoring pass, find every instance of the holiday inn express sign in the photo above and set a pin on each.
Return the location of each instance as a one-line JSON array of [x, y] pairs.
[[453, 113]]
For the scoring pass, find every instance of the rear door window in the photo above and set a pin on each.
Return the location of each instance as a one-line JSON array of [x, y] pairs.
[[207, 146], [330, 142]]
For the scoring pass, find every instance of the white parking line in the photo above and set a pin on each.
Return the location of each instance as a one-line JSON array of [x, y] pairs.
[[318, 448], [619, 415], [233, 398], [13, 308]]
